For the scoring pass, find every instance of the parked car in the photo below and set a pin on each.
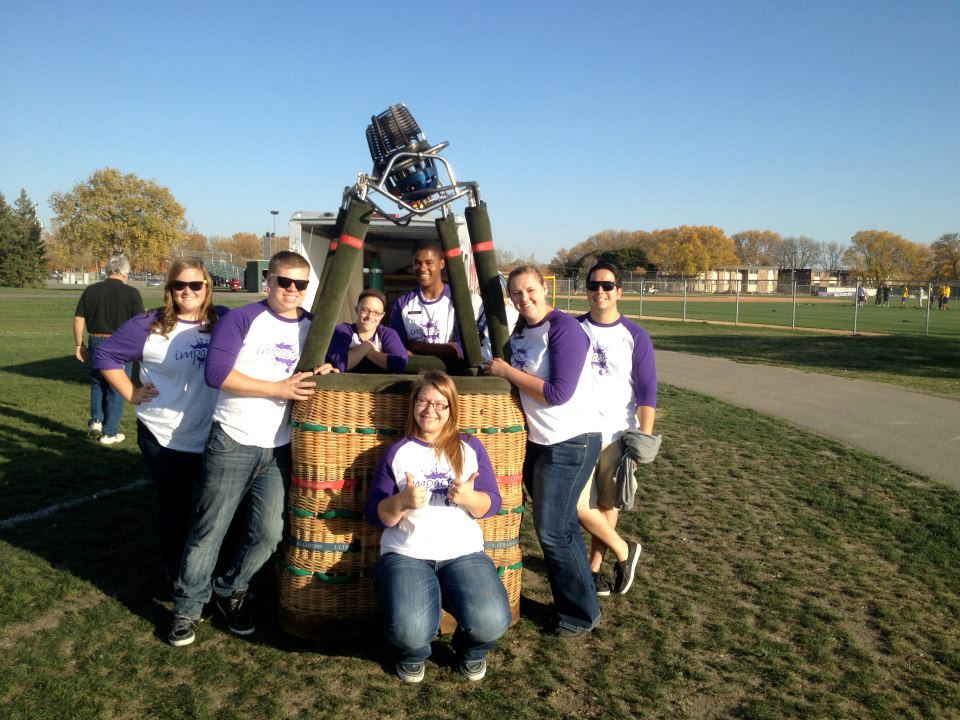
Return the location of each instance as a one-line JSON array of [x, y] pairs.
[[235, 285], [154, 282]]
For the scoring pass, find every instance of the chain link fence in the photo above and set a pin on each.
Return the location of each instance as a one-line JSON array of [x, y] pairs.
[[905, 307]]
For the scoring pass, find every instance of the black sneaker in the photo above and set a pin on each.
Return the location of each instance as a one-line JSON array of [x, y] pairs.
[[237, 611], [412, 672], [624, 570], [183, 631], [600, 582], [473, 671]]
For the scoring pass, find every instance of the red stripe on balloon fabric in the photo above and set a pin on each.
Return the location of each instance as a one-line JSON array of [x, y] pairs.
[[352, 241], [452, 253], [483, 246]]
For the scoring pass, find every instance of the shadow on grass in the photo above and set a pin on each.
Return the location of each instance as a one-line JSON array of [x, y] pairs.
[[903, 355], [49, 462], [65, 369]]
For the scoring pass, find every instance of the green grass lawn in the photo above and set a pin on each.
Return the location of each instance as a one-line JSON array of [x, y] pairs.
[[915, 362], [783, 576], [811, 313]]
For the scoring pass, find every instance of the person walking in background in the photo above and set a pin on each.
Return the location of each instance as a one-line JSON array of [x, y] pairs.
[[878, 295], [904, 295], [944, 297], [428, 493], [861, 296], [174, 404], [253, 352], [367, 345], [624, 373], [886, 295], [922, 296], [549, 367], [103, 307]]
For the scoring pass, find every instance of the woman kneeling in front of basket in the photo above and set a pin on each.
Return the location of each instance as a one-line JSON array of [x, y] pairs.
[[427, 493]]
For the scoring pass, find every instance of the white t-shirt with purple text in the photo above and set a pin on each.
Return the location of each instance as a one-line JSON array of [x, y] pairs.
[[439, 530], [255, 341]]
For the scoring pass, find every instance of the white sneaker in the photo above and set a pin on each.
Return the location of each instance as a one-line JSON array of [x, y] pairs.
[[112, 439], [94, 429]]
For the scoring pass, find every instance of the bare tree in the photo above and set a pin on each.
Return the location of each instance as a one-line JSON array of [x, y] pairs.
[[830, 256], [796, 253]]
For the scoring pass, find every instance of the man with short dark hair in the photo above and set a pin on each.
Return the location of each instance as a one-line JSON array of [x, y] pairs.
[[424, 318], [102, 309]]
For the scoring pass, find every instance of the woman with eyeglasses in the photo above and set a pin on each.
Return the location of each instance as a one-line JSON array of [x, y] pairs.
[[625, 390], [367, 345], [549, 367], [174, 403], [427, 494]]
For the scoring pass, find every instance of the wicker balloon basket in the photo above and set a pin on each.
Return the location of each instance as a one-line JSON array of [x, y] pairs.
[[339, 438]]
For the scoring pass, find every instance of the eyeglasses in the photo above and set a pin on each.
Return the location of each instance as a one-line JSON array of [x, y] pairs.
[[594, 285], [367, 311], [423, 404], [181, 285], [286, 282]]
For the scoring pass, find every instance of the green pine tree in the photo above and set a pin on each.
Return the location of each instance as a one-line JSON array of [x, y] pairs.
[[21, 244]]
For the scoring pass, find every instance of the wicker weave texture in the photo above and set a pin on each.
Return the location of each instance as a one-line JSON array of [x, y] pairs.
[[339, 438]]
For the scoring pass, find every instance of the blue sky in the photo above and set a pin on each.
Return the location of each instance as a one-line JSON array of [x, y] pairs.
[[813, 118]]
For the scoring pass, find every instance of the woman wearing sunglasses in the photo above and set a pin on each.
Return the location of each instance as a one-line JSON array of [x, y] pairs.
[[366, 345], [427, 494], [174, 404], [549, 368], [625, 392]]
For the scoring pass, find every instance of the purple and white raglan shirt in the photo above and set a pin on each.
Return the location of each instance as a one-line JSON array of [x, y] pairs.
[[255, 341], [384, 340], [431, 321], [555, 350], [181, 414], [624, 373], [439, 530]]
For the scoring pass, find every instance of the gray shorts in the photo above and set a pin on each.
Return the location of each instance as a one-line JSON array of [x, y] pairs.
[[601, 489]]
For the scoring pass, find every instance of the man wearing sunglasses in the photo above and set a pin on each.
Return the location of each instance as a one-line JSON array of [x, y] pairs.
[[252, 355]]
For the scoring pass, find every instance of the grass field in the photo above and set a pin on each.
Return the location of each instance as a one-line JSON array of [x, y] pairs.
[[816, 313], [783, 576]]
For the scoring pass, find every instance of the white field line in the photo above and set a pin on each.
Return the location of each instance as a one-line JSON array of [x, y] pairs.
[[53, 509]]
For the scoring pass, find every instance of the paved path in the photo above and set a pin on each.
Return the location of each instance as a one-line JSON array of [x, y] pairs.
[[915, 431]]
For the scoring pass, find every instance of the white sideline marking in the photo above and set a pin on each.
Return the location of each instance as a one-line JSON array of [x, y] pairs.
[[48, 511]]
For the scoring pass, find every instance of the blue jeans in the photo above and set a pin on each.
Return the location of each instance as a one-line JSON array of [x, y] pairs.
[[106, 404], [411, 593], [554, 476], [174, 474], [230, 471]]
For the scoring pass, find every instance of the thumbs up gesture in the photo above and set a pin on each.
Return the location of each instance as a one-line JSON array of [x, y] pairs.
[[413, 496], [461, 492]]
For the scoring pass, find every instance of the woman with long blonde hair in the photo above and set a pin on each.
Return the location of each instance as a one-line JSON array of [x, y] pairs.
[[174, 403], [549, 367], [427, 494]]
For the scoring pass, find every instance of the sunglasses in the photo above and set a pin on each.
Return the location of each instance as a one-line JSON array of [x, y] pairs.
[[594, 285], [286, 282], [181, 285]]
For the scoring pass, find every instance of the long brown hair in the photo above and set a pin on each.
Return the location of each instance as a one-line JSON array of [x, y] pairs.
[[516, 272], [167, 315], [448, 443]]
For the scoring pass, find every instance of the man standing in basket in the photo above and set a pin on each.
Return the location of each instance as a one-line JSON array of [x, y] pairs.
[[424, 318], [253, 352]]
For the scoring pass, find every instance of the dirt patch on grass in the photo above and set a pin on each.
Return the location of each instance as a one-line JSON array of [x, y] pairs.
[[15, 634]]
